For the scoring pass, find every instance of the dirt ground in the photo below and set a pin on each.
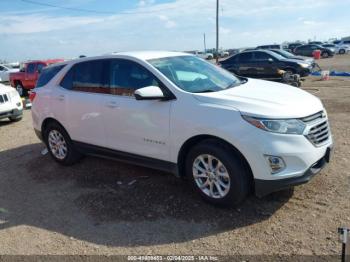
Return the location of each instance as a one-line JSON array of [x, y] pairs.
[[105, 207]]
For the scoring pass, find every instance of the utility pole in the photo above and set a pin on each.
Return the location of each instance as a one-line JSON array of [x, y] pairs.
[[205, 46], [217, 31]]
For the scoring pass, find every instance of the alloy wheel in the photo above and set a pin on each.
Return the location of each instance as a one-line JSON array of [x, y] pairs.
[[57, 144], [211, 176]]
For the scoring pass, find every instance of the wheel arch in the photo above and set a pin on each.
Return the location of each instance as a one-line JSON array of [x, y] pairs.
[[48, 120], [191, 142], [290, 68]]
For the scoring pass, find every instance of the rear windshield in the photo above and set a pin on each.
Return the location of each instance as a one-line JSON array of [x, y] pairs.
[[47, 74]]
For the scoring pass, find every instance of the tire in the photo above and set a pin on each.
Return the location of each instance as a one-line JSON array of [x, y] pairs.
[[342, 51], [325, 55], [63, 152], [21, 91], [233, 181]]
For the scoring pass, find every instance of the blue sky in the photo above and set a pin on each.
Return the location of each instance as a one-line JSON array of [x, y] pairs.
[[34, 31]]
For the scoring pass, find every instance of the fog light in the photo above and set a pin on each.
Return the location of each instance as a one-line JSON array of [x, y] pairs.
[[276, 163]]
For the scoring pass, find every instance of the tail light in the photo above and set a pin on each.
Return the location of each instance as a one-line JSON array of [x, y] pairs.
[[32, 95]]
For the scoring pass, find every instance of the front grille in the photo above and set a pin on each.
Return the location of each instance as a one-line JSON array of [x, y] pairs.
[[312, 118], [3, 99], [319, 131]]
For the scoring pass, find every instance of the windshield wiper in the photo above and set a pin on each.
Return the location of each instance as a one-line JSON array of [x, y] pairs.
[[205, 91]]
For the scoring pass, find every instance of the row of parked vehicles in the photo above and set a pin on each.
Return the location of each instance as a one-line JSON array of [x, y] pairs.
[[327, 49]]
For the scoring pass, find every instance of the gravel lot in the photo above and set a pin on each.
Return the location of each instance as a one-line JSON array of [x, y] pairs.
[[91, 208]]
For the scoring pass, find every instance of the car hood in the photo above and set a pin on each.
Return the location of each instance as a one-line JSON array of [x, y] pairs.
[[292, 60], [265, 99], [304, 58]]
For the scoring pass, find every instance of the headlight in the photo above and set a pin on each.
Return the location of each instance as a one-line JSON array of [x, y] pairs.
[[304, 65], [282, 126]]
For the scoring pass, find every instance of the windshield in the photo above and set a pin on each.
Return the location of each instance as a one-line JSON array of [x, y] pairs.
[[278, 56], [285, 53], [195, 75]]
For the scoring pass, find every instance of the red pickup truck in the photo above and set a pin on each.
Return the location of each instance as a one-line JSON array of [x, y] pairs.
[[26, 78]]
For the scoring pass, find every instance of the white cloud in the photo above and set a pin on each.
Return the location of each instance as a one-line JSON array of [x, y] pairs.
[[143, 3], [242, 23], [35, 24], [168, 23]]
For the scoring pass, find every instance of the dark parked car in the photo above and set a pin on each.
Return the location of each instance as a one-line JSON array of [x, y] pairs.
[[264, 64], [269, 47], [289, 55], [316, 43], [307, 50], [291, 46]]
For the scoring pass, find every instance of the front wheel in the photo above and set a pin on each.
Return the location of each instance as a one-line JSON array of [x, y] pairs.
[[217, 173], [341, 51], [325, 54], [60, 145]]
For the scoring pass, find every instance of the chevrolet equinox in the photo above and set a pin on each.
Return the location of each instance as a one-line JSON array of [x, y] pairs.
[[175, 112]]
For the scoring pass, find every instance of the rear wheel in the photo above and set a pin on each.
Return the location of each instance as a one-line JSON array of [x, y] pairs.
[[341, 51], [217, 173], [60, 145]]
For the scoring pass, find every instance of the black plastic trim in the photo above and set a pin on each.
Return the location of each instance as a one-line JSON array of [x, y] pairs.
[[12, 113], [130, 158], [265, 187]]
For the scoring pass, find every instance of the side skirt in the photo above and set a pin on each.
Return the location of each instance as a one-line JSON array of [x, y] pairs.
[[125, 157]]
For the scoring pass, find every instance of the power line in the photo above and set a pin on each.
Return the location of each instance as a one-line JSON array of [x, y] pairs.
[[93, 11], [66, 8]]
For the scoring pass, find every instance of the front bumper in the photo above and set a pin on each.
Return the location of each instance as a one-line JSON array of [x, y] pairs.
[[12, 113], [265, 187]]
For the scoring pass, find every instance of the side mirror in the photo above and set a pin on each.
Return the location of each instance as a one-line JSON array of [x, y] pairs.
[[149, 93]]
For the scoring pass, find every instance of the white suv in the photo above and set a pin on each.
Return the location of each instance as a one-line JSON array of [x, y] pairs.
[[176, 112], [11, 106]]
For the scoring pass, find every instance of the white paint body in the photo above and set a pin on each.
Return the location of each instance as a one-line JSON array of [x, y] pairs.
[[14, 100], [130, 125], [5, 73]]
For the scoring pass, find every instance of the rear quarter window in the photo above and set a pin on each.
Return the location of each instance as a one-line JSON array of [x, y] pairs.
[[47, 74]]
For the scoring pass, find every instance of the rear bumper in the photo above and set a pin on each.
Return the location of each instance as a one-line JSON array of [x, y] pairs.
[[265, 187], [12, 113]]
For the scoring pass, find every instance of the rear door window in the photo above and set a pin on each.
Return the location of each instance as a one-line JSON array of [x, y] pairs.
[[261, 56], [246, 57], [47, 74]]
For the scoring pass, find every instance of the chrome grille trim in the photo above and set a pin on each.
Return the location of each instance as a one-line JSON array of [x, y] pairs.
[[319, 131], [312, 118]]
